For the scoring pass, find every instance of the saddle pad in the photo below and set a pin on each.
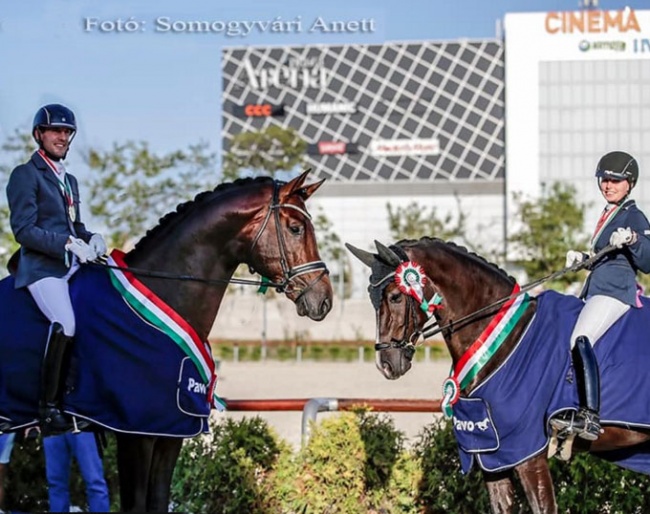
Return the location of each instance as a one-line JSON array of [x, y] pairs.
[[127, 374]]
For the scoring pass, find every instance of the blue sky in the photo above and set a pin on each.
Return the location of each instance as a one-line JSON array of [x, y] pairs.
[[161, 86]]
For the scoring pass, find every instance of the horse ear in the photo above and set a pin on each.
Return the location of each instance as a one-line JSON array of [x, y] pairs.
[[387, 255], [366, 257], [307, 191], [294, 185]]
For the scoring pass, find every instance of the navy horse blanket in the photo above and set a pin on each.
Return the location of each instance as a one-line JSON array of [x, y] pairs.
[[137, 367], [504, 421]]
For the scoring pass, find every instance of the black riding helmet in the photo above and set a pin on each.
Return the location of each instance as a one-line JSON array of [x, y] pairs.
[[54, 115], [618, 166]]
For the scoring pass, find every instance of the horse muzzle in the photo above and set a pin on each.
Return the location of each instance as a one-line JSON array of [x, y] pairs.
[[393, 361], [315, 298]]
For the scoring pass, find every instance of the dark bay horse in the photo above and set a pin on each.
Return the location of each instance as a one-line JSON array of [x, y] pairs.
[[259, 222], [488, 328]]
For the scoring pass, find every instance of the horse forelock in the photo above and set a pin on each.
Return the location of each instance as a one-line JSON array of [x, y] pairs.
[[174, 219]]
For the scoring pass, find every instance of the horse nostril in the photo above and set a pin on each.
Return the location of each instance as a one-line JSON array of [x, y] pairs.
[[325, 306]]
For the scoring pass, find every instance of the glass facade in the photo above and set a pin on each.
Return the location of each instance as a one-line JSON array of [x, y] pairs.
[[586, 109]]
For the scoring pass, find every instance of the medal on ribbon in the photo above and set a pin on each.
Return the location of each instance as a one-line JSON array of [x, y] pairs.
[[410, 280], [69, 200], [450, 395]]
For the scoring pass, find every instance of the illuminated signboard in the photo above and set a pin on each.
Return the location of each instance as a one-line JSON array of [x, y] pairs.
[[592, 22], [295, 73], [331, 148], [393, 147], [331, 108], [258, 110]]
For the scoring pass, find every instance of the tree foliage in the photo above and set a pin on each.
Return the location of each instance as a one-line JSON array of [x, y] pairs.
[[332, 252], [415, 222], [131, 187], [18, 147], [549, 227], [265, 152]]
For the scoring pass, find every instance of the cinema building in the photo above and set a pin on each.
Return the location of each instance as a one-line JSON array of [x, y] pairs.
[[453, 125]]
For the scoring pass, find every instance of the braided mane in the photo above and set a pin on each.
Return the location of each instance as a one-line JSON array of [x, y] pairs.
[[429, 241], [184, 209]]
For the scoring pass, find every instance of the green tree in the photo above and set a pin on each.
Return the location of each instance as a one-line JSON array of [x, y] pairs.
[[333, 253], [18, 147], [131, 187], [415, 221], [550, 226], [267, 152]]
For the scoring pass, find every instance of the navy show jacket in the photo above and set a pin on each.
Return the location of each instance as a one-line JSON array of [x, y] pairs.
[[615, 274], [40, 221]]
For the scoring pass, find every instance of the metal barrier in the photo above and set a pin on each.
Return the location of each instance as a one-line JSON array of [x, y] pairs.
[[310, 407]]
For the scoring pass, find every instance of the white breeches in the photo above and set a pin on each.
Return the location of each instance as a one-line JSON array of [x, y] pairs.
[[52, 296], [597, 316]]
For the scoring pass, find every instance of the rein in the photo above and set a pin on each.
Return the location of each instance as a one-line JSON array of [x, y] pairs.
[[288, 274], [101, 261], [473, 316]]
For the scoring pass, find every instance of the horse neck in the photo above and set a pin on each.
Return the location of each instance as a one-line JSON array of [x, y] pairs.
[[468, 284], [209, 250]]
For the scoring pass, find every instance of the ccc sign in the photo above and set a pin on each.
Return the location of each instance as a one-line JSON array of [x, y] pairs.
[[258, 110]]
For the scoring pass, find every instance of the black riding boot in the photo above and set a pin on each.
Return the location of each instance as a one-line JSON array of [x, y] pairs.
[[588, 381], [55, 363]]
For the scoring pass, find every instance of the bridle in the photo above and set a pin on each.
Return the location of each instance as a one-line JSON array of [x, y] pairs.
[[288, 274], [406, 344]]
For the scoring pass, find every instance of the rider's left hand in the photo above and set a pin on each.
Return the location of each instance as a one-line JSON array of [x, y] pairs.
[[98, 244], [622, 237]]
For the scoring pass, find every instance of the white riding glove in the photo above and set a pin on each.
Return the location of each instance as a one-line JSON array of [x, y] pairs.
[[573, 257], [81, 249], [98, 244], [622, 237]]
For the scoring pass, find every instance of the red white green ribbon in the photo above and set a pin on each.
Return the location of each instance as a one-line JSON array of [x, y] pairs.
[[410, 279], [483, 349], [155, 311], [604, 220]]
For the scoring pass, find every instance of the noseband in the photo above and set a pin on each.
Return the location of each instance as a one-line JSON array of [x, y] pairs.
[[288, 274]]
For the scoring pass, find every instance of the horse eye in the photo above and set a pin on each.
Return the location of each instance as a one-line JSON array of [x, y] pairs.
[[296, 229], [395, 298]]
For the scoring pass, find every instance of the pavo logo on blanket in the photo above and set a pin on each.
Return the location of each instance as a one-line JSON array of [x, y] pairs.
[[196, 387], [470, 426]]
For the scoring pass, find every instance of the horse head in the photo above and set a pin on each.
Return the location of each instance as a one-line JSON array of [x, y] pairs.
[[285, 251], [413, 282], [399, 317]]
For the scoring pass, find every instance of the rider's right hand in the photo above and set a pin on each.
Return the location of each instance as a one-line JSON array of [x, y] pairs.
[[573, 257], [81, 249]]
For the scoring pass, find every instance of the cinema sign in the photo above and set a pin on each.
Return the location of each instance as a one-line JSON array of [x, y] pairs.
[[591, 22], [400, 147]]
